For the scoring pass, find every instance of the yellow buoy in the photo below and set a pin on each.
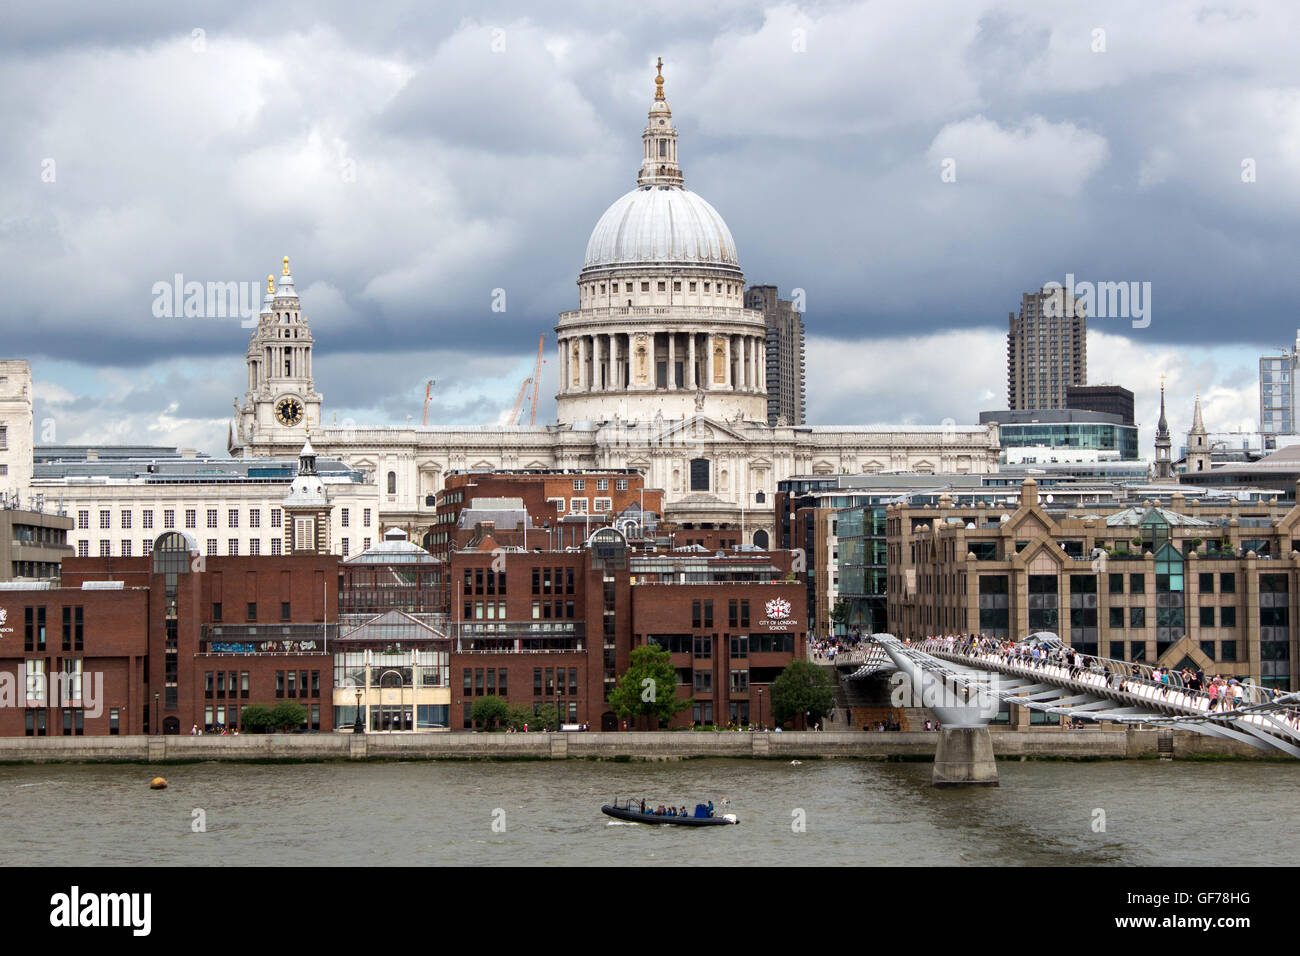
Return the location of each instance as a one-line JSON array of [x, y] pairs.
[[158, 783]]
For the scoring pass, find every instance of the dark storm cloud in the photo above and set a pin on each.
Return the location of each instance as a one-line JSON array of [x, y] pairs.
[[413, 159]]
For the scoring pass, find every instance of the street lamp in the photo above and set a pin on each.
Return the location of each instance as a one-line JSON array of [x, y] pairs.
[[358, 726], [760, 708], [157, 717]]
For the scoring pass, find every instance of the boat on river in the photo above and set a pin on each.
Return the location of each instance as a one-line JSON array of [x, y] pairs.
[[630, 810]]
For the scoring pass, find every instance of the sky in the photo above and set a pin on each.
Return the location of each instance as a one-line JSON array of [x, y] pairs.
[[911, 169]]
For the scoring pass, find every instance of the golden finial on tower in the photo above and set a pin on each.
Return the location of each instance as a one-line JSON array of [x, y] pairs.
[[270, 285], [286, 265], [659, 80]]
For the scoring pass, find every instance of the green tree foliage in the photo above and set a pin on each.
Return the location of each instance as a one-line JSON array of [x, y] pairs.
[[256, 718], [803, 687], [648, 688], [491, 712], [546, 717], [288, 715]]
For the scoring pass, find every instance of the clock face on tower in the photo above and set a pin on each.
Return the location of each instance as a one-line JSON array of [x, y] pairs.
[[288, 411]]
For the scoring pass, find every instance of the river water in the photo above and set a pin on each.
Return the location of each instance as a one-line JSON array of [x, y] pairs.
[[820, 812]]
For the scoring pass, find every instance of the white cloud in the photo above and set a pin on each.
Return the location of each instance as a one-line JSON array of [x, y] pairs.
[[1039, 155]]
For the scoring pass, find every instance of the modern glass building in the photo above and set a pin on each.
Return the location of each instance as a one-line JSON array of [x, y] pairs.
[[1066, 431], [1277, 392]]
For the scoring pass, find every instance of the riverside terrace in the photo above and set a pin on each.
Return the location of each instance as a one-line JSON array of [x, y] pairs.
[[1173, 582]]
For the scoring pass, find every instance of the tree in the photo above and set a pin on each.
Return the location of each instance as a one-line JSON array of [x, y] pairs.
[[288, 715], [256, 718], [545, 717], [648, 688], [803, 687], [490, 711]]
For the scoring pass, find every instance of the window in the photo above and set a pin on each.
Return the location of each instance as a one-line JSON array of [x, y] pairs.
[[255, 517], [83, 519], [105, 518], [392, 482], [1207, 617], [578, 506], [703, 682], [146, 519], [169, 518], [1227, 617], [1137, 617], [252, 610], [83, 549], [232, 518], [1228, 583], [1117, 617], [579, 484], [191, 517], [602, 484], [126, 520], [343, 514], [212, 517], [699, 474], [1116, 583], [232, 546], [255, 547], [1205, 581], [620, 484], [277, 546], [284, 611], [365, 518], [1137, 584], [216, 611], [275, 517], [105, 549]]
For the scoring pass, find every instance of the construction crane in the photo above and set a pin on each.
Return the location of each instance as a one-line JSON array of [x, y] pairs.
[[428, 395], [535, 380]]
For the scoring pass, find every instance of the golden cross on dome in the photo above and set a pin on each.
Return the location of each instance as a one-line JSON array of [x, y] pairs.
[[286, 265], [270, 285], [659, 79]]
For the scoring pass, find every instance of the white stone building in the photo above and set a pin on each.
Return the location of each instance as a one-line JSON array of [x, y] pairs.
[[16, 433], [662, 369], [120, 506]]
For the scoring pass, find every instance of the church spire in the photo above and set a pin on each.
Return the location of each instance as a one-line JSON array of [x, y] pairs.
[[1198, 426], [659, 155], [1162, 427], [1164, 467]]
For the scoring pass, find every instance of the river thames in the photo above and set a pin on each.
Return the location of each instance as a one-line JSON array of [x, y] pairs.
[[820, 812]]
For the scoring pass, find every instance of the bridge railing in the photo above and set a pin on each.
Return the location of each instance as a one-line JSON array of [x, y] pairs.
[[1127, 676]]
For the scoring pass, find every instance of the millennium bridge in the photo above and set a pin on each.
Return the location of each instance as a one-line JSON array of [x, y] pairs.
[[965, 683]]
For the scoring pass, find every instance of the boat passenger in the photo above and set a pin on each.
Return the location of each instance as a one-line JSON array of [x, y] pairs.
[[710, 808]]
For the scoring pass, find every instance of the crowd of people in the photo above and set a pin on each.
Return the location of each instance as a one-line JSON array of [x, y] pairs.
[[1223, 693], [828, 649], [662, 811]]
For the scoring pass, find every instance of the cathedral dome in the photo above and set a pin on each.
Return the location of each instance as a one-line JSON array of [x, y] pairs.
[[656, 224]]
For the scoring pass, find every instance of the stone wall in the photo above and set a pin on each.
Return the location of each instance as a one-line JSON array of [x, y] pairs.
[[1007, 744]]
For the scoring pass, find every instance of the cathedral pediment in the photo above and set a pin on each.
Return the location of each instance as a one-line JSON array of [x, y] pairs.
[[700, 428]]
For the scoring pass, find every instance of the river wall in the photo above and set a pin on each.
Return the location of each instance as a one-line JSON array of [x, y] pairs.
[[1088, 744]]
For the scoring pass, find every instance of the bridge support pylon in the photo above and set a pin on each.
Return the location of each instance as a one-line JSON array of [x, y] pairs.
[[965, 758]]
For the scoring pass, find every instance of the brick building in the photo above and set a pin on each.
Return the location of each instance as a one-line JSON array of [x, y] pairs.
[[577, 501], [179, 639], [1175, 582], [559, 626], [74, 659]]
